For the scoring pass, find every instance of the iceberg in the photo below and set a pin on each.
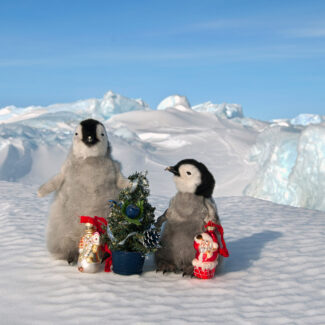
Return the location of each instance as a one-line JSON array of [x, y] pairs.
[[113, 103], [301, 120], [306, 119], [101, 109], [308, 175], [291, 164], [223, 110], [175, 101]]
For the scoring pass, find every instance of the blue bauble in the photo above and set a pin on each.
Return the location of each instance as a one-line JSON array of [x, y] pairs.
[[132, 211]]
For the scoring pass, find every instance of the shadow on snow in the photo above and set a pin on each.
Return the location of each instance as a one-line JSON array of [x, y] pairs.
[[244, 251]]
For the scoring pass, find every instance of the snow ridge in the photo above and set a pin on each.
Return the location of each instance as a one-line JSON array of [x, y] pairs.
[[282, 160]]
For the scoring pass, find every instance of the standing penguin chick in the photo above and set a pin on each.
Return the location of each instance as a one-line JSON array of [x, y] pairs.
[[88, 179], [186, 216]]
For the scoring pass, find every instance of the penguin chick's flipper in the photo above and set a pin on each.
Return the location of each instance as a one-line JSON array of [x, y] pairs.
[[122, 182], [52, 185], [161, 220], [212, 211]]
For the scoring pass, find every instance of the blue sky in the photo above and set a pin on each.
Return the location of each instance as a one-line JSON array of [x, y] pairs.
[[268, 56]]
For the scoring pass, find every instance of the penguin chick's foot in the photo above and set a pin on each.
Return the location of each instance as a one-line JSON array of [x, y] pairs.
[[72, 259], [165, 267], [188, 271]]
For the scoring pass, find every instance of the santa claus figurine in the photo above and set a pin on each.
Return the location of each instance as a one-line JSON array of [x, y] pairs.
[[89, 247], [207, 251]]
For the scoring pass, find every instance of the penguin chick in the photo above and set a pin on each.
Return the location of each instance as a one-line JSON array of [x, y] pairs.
[[188, 211], [88, 179]]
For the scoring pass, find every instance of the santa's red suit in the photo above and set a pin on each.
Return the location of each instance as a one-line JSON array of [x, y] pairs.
[[206, 247], [207, 251]]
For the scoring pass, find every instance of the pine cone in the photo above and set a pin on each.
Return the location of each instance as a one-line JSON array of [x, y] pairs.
[[151, 239]]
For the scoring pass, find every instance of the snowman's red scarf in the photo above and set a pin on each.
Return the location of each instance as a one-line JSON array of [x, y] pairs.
[[99, 222]]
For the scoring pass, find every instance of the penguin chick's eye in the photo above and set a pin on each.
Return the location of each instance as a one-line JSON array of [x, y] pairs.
[[76, 133], [102, 134], [188, 173]]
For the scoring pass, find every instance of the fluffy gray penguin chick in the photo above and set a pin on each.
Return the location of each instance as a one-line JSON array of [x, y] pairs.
[[188, 211], [88, 179]]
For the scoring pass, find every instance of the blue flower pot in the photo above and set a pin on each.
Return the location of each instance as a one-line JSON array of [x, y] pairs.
[[127, 263]]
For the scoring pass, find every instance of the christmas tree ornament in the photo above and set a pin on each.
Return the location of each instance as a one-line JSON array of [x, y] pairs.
[[151, 238], [89, 247], [207, 251], [132, 211]]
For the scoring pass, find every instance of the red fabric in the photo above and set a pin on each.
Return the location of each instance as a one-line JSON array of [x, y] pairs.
[[86, 219], [223, 251], [98, 223], [213, 235], [211, 224], [109, 260], [196, 247]]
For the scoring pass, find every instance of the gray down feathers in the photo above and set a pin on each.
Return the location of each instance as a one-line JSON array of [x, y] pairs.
[[185, 218], [82, 188]]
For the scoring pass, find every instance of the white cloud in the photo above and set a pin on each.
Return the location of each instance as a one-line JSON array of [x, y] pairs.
[[132, 55], [219, 24], [309, 32]]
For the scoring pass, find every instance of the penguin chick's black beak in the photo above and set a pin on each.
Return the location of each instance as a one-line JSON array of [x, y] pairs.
[[90, 140], [173, 170]]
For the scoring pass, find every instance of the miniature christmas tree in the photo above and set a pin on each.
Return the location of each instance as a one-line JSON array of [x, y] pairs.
[[130, 221]]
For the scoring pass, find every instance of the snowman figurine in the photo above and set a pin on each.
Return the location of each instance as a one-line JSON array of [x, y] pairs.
[[89, 247]]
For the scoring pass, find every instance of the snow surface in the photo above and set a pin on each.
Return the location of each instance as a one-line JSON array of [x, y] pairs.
[[276, 270], [275, 273], [282, 161]]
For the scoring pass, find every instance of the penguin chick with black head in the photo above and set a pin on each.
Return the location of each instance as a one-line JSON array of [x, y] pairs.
[[188, 211], [88, 179]]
